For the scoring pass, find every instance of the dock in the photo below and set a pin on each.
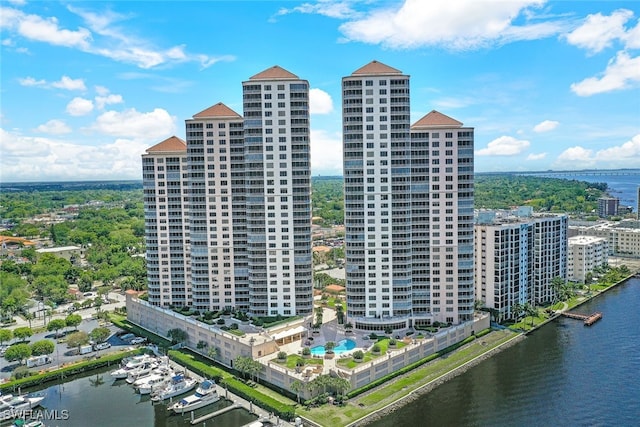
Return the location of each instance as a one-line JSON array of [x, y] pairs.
[[588, 319], [216, 413]]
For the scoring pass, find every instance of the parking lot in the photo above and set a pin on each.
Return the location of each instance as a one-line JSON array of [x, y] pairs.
[[63, 355]]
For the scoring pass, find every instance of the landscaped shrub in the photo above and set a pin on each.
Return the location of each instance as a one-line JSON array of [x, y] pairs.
[[282, 355], [393, 342], [358, 355], [375, 348], [373, 336], [306, 351], [220, 322]]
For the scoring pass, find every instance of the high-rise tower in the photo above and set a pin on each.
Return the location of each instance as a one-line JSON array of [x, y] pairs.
[[408, 207], [215, 155], [278, 193], [166, 218]]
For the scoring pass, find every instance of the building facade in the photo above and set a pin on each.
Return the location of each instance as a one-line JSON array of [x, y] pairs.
[[215, 156], [517, 256], [388, 169], [623, 237], [585, 254], [278, 193], [230, 208], [608, 206], [166, 217]]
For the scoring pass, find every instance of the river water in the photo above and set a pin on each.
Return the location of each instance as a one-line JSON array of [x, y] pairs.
[[98, 400], [562, 374]]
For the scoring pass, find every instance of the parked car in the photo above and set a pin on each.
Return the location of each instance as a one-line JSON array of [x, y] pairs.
[[137, 340], [101, 346]]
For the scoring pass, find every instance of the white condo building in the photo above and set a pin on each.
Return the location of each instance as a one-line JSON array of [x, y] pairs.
[[517, 256], [278, 193], [228, 213], [215, 155], [585, 254], [394, 175], [166, 217]]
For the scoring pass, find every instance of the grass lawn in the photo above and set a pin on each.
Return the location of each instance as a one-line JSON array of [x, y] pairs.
[[290, 362], [358, 407]]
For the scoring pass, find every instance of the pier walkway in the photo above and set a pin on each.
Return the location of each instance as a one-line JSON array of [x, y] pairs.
[[264, 417], [588, 319]]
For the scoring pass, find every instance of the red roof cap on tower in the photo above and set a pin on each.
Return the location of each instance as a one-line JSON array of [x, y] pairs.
[[170, 144], [375, 67], [274, 73], [436, 119], [219, 110]]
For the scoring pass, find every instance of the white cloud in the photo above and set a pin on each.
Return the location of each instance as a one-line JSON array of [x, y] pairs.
[[101, 101], [326, 153], [546, 126], [68, 83], [65, 82], [329, 8], [34, 27], [320, 102], [504, 146], [79, 106], [632, 38], [30, 81], [599, 32], [102, 91], [460, 24], [54, 127], [622, 72], [626, 155], [104, 39], [132, 124], [59, 160], [538, 156]]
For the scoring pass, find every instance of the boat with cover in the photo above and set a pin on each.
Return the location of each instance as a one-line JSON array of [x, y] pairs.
[[133, 367], [11, 406], [206, 394], [179, 384], [154, 383], [140, 373]]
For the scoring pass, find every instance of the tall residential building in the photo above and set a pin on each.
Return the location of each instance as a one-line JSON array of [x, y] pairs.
[[585, 254], [278, 193], [215, 155], [234, 204], [166, 217], [518, 254], [387, 169], [608, 206]]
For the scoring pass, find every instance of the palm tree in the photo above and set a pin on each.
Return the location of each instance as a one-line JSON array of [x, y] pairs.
[[530, 310], [29, 316], [297, 386], [556, 285], [341, 385], [212, 352], [517, 310]]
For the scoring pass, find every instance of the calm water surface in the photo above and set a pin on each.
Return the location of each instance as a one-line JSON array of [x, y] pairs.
[[562, 374], [98, 400]]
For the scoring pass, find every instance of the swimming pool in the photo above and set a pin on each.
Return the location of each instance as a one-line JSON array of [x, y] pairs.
[[341, 347]]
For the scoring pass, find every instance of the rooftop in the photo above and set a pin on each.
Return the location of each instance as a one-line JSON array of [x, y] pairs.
[[436, 119], [172, 143], [274, 73], [375, 67], [218, 110]]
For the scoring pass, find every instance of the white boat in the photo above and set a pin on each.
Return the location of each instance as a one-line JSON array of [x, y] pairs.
[[179, 385], [133, 367], [134, 361], [11, 406], [155, 383], [139, 373], [206, 394]]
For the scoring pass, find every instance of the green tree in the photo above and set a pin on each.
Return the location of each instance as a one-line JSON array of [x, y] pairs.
[[19, 352], [6, 335], [100, 334], [78, 339], [297, 386], [22, 333], [531, 311], [177, 335], [73, 321], [201, 345], [42, 347], [56, 325], [213, 352]]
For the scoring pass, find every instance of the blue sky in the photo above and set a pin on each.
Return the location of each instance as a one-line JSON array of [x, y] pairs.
[[86, 87]]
